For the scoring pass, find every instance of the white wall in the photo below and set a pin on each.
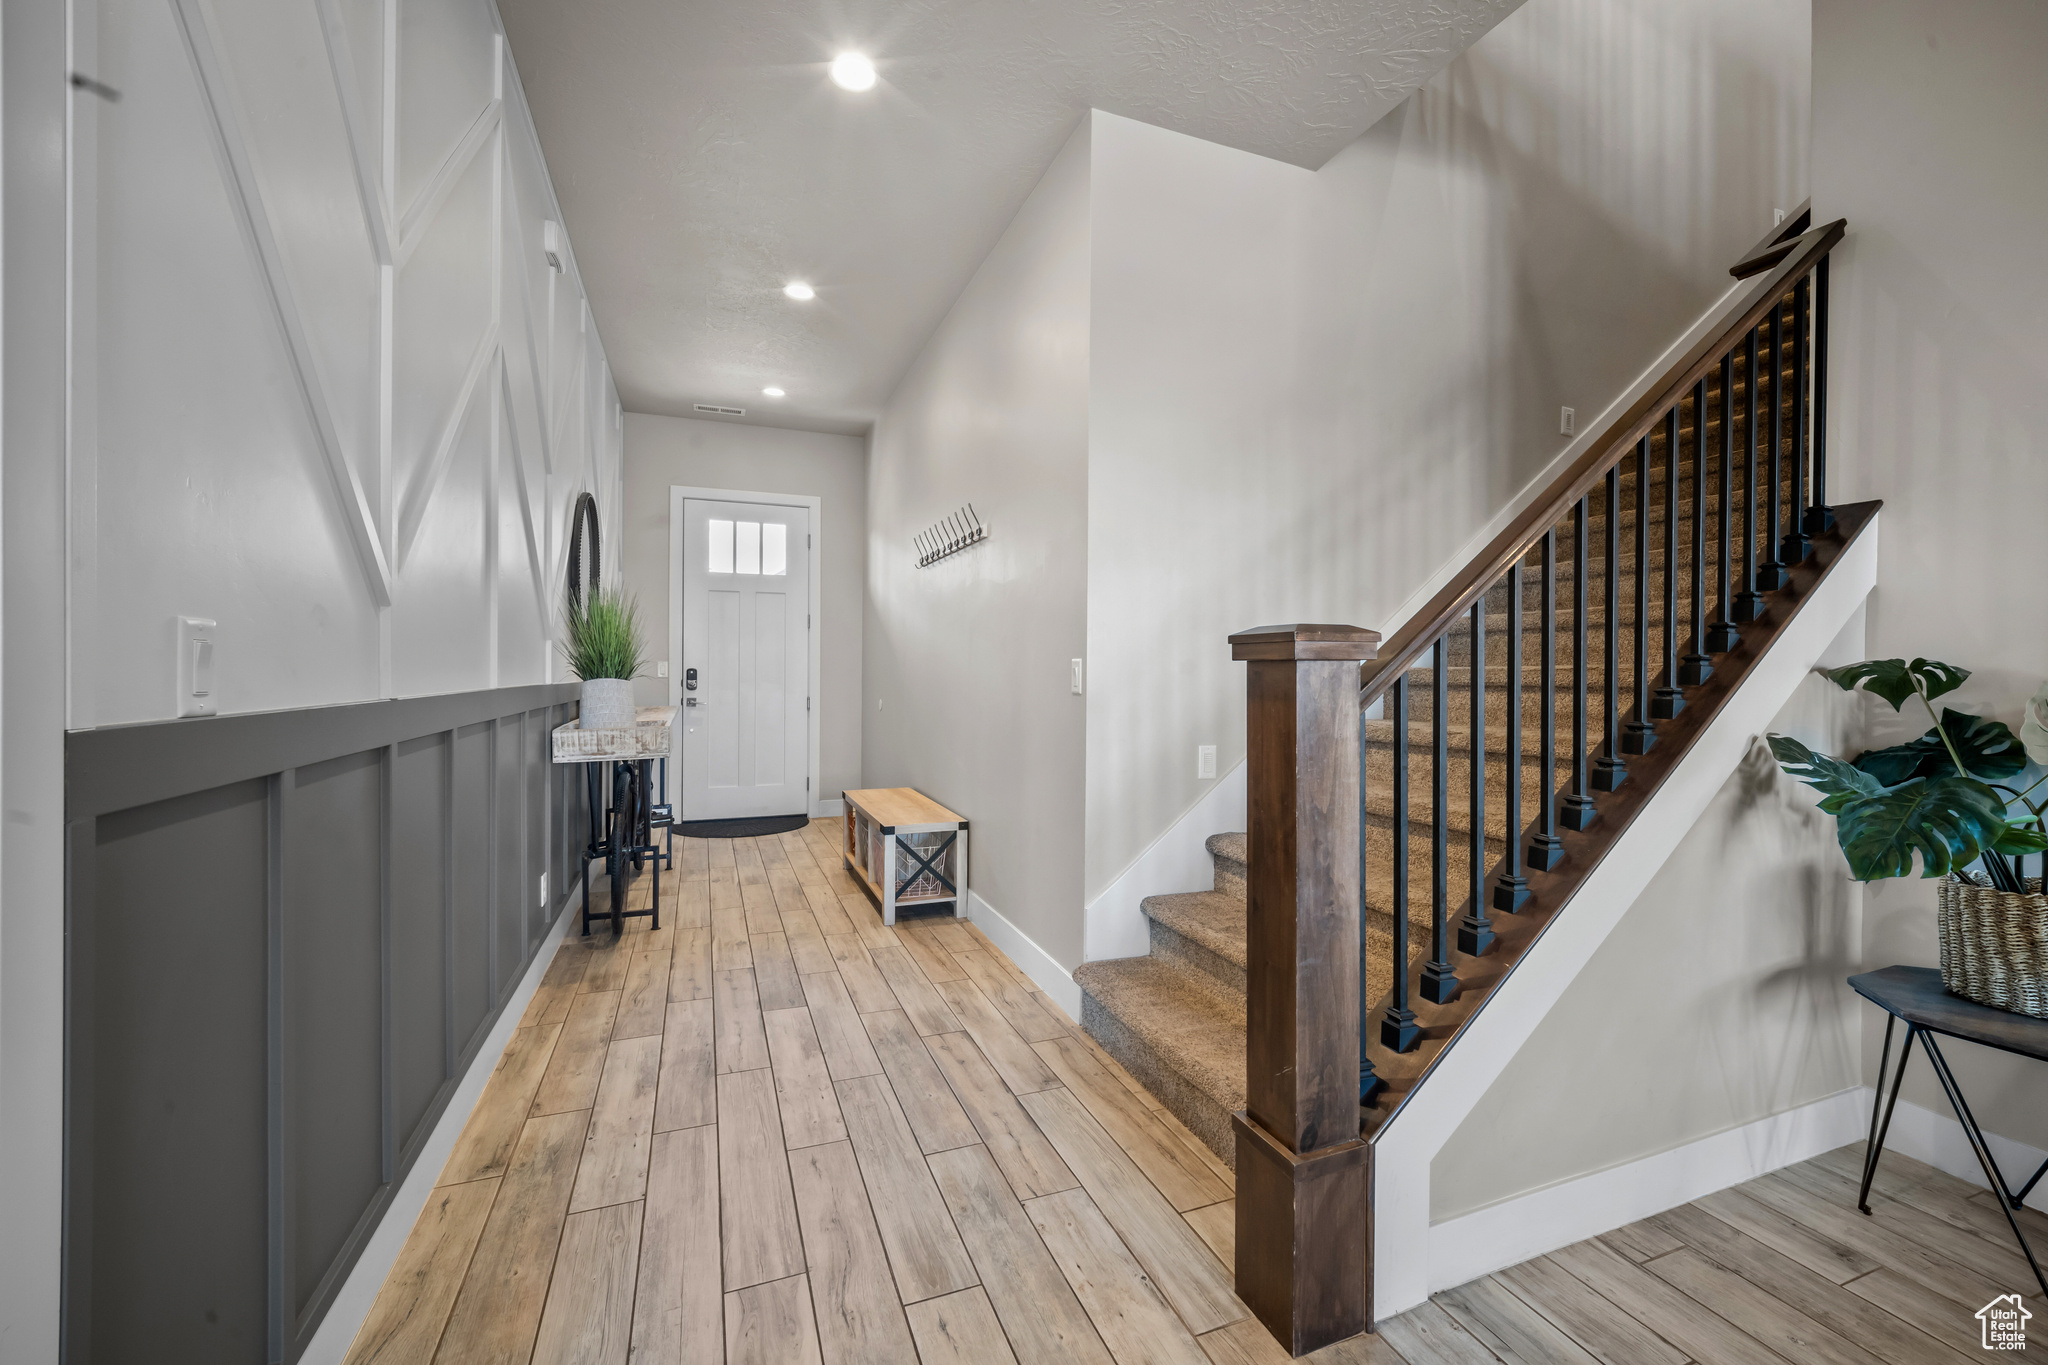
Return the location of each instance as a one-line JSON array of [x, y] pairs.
[[1716, 1001], [966, 662], [667, 451], [1930, 135], [1311, 390], [329, 392]]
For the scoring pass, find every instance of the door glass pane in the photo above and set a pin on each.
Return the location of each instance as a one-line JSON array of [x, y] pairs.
[[747, 552], [774, 548], [721, 546]]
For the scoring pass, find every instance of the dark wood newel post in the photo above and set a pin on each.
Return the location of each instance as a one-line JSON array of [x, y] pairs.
[[1302, 1172]]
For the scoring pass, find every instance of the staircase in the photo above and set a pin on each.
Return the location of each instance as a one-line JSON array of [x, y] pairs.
[[1425, 809], [1176, 1017]]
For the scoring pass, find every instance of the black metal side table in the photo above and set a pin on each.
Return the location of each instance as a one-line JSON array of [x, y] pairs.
[[1915, 995]]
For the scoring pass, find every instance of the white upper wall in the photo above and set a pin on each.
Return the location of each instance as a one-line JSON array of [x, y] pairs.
[[967, 661], [665, 452], [330, 394], [1930, 135], [1310, 390]]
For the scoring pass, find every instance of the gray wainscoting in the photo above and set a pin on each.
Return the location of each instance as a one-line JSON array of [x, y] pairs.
[[288, 935]]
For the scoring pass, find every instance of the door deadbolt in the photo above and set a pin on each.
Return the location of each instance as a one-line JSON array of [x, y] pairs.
[[689, 680]]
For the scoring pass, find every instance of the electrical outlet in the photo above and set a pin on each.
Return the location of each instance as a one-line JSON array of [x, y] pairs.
[[661, 668], [195, 666], [1074, 676], [1567, 421], [1205, 761], [543, 890]]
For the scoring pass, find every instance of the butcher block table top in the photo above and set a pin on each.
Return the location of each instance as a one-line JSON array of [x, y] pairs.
[[891, 807]]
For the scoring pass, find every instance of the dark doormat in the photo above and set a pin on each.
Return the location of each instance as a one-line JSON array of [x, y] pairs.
[[751, 828]]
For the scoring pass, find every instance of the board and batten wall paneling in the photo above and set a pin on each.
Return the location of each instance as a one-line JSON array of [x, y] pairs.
[[329, 390], [290, 934]]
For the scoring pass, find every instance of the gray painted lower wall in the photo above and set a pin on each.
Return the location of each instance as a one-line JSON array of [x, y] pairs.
[[287, 935]]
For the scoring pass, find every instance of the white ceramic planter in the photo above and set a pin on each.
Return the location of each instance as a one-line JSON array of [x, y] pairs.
[[607, 704]]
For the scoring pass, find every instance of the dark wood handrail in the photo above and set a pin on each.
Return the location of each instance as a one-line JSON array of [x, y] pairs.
[[1772, 246], [1513, 544]]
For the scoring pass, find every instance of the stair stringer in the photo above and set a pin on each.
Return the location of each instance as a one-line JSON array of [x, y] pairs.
[[1407, 1143]]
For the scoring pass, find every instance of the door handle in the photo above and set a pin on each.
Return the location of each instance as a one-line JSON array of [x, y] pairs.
[[689, 701]]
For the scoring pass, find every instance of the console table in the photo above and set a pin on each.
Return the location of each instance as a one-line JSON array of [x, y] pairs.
[[1915, 995], [623, 833], [906, 849]]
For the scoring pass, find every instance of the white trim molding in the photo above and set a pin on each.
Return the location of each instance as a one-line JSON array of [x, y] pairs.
[[1177, 860], [1402, 1273], [677, 493], [1939, 1140], [1464, 1248], [1478, 1243], [1041, 966]]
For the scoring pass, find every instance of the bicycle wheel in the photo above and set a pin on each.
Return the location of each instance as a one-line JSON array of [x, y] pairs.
[[625, 819]]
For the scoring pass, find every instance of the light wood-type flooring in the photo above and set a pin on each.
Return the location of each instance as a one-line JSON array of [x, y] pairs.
[[777, 1131]]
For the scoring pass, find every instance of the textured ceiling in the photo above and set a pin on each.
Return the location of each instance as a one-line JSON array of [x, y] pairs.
[[703, 158]]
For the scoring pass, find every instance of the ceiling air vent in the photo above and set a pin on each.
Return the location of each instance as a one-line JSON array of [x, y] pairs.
[[721, 410]]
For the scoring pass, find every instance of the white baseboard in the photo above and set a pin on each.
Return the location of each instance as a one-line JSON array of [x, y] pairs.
[[1938, 1139], [1177, 860], [1037, 963], [835, 809], [337, 1331], [1464, 1248]]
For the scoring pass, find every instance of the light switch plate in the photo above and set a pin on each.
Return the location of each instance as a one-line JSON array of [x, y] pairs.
[[1074, 676], [196, 686], [1567, 421], [1205, 761], [661, 668]]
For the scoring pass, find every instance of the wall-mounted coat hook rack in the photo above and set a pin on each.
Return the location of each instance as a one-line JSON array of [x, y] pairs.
[[950, 536]]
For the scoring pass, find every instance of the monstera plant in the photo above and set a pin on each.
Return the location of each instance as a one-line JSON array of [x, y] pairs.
[[1946, 795]]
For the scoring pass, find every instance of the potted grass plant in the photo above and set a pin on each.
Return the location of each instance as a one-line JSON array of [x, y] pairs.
[[1949, 796], [606, 650]]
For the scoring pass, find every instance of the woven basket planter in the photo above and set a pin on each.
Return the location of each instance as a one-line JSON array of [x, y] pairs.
[[1994, 945]]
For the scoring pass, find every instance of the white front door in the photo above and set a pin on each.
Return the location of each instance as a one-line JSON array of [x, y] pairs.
[[746, 663]]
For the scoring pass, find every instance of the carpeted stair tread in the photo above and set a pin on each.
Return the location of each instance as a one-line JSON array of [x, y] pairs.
[[1211, 920], [1181, 1034]]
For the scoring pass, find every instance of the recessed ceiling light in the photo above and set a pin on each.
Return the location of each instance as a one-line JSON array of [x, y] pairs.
[[851, 71], [799, 291], [772, 392]]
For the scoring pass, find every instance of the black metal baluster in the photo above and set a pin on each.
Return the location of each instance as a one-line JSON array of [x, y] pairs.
[[1820, 520], [1475, 931], [1797, 547], [1639, 735], [1667, 701], [1579, 810], [1772, 573], [1749, 603], [1696, 667], [1397, 1026], [1722, 636], [1369, 1083], [1439, 982], [1512, 890], [1546, 850], [1610, 770]]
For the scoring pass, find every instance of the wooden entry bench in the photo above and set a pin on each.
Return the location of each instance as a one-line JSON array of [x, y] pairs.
[[906, 849]]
